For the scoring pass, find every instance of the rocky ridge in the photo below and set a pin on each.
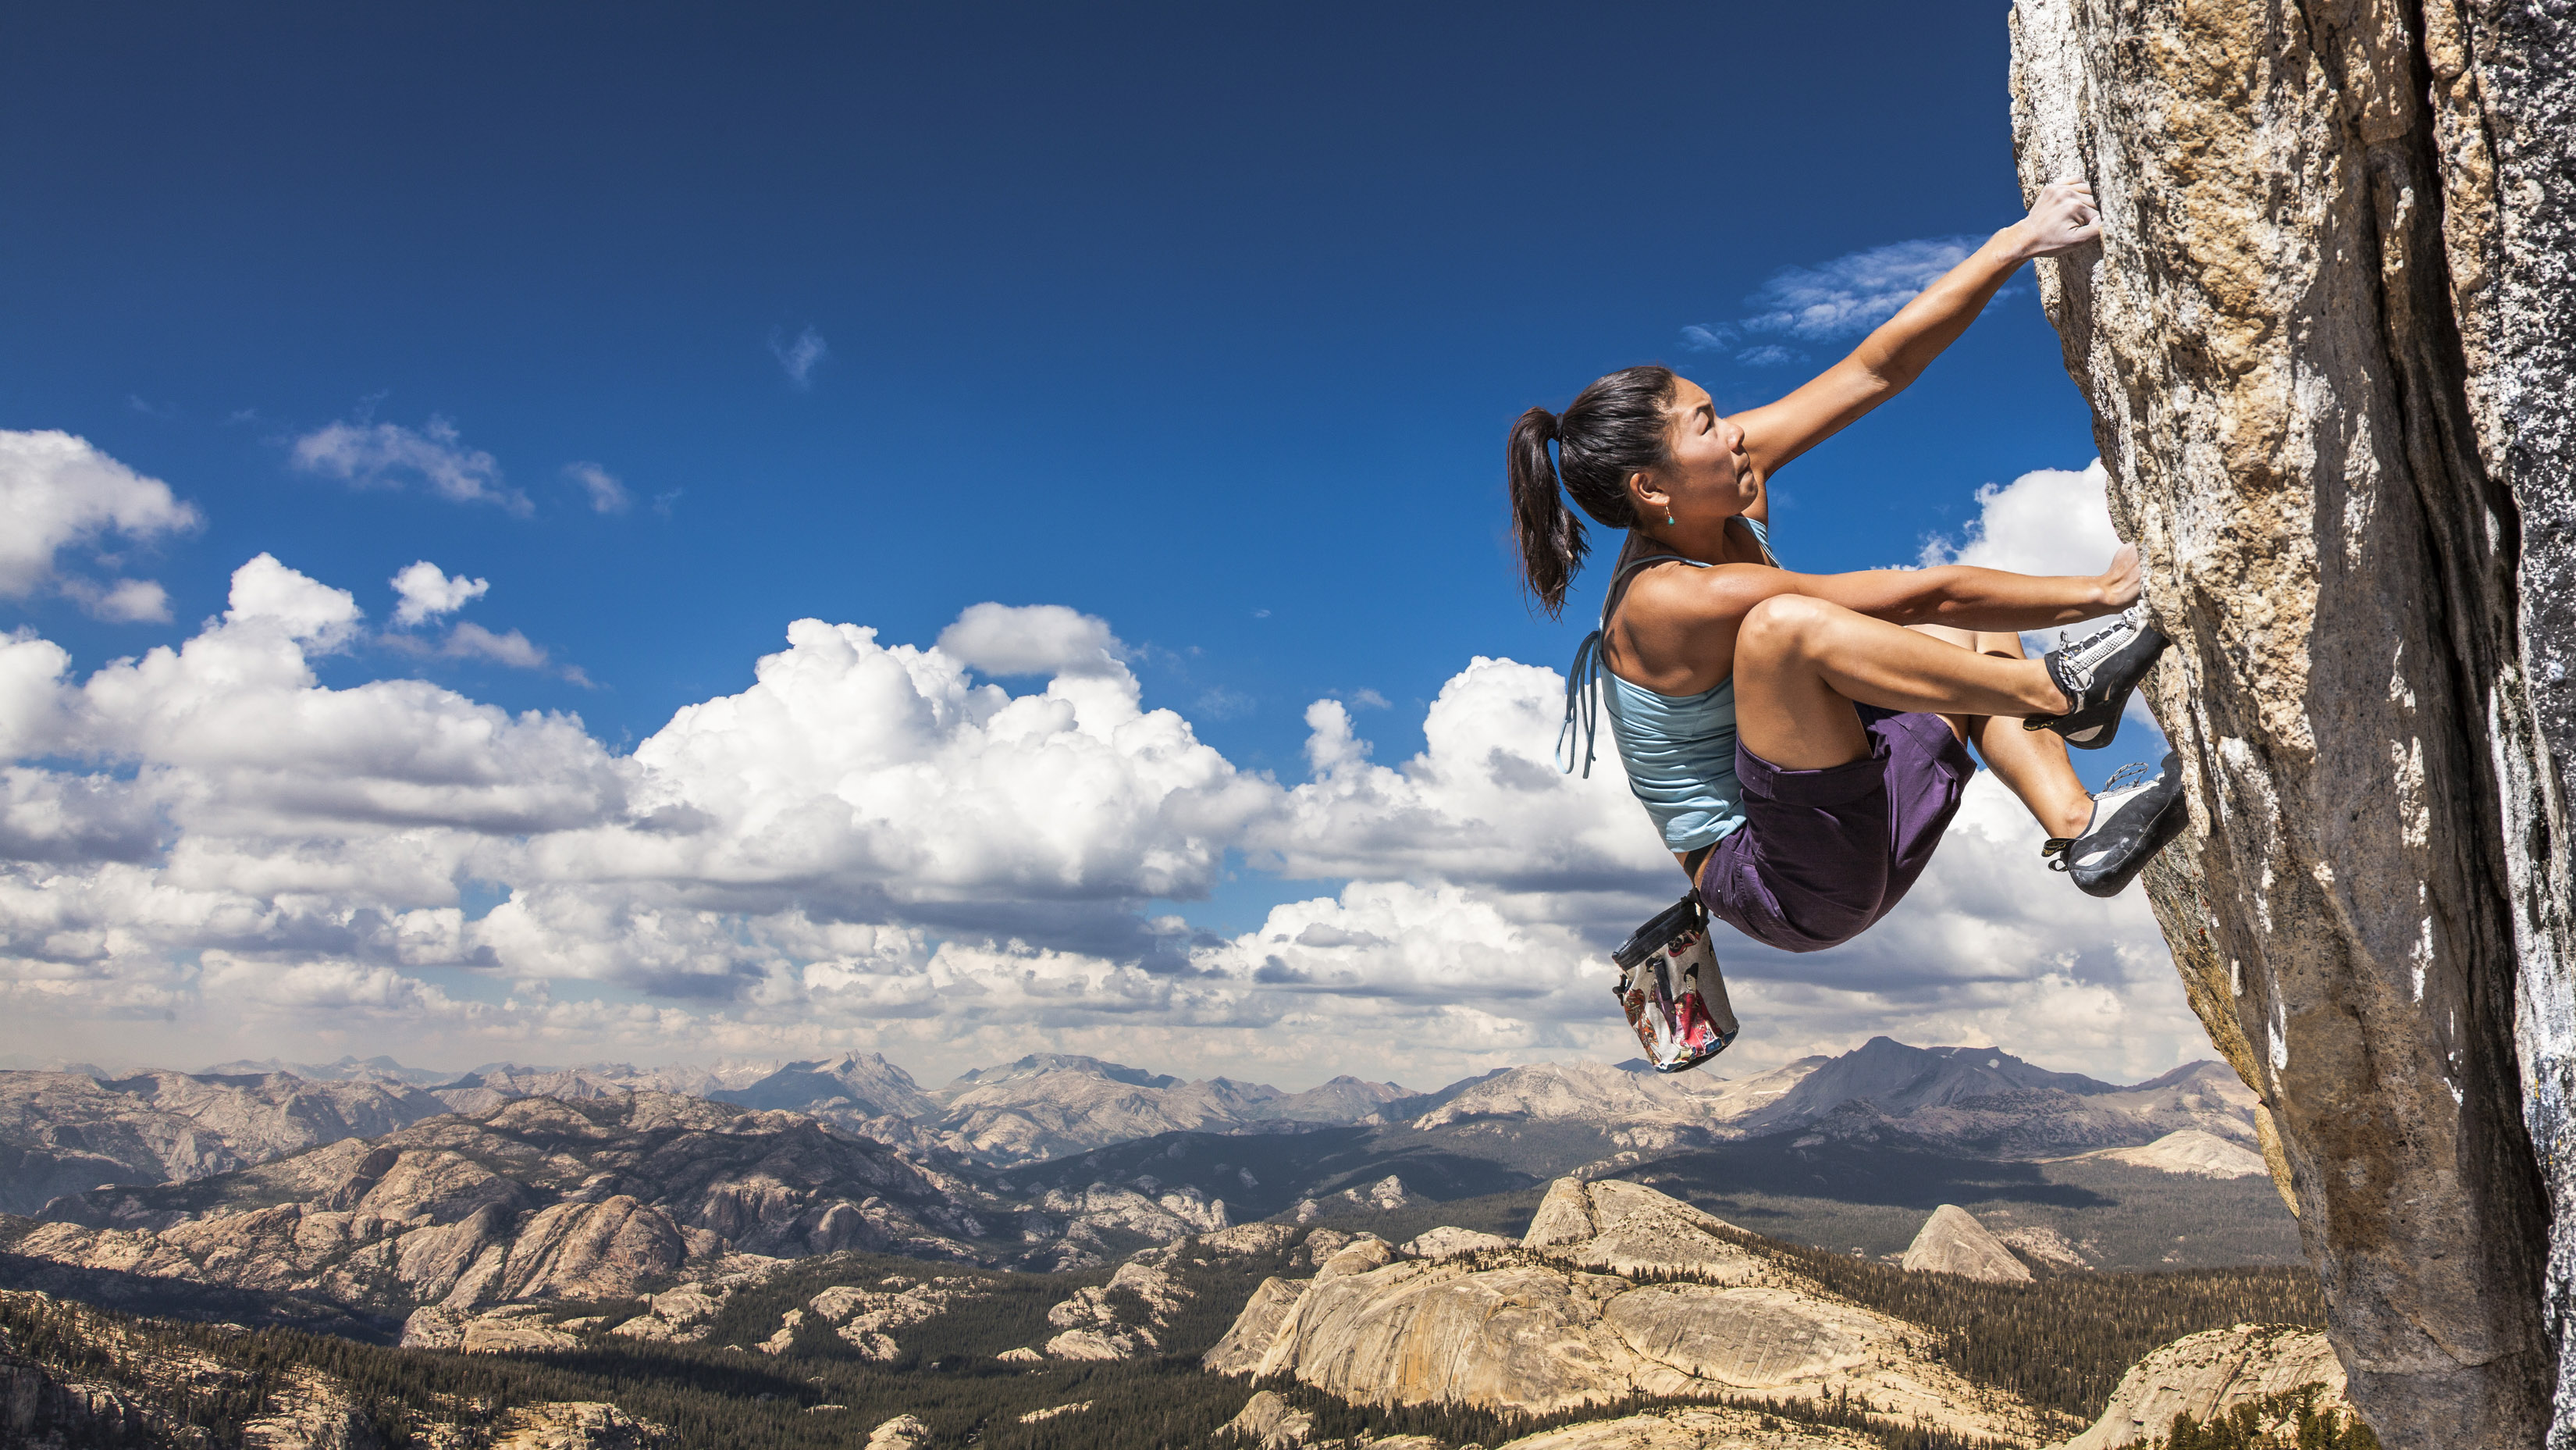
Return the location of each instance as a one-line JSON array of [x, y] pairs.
[[66, 1132], [537, 1200]]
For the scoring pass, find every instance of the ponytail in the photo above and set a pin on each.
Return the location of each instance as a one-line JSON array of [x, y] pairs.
[[1616, 427], [1551, 537]]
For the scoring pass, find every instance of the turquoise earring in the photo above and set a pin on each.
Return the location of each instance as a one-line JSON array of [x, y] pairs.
[[1668, 516]]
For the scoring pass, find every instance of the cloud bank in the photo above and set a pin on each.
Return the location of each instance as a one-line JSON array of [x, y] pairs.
[[951, 853]]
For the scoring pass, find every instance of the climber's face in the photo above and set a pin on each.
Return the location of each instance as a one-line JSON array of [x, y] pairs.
[[1709, 474]]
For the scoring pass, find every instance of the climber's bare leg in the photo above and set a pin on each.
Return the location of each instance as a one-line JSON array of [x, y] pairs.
[[2032, 764], [1801, 662]]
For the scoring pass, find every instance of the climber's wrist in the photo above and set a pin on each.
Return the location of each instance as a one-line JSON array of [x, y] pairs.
[[2019, 242]]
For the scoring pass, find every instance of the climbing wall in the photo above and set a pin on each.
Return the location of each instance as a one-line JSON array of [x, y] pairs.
[[2326, 338]]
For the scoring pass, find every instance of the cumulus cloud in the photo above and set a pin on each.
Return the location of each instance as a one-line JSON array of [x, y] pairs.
[[387, 455], [2048, 521], [880, 845], [1033, 639], [607, 495], [425, 592], [57, 492], [800, 355]]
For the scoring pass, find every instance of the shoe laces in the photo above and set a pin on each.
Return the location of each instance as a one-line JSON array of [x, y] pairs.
[[2081, 656], [2135, 773]]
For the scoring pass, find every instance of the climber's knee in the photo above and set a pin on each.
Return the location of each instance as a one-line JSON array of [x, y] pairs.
[[1782, 627]]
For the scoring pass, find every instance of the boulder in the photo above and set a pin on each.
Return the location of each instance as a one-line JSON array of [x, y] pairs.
[[2210, 1373], [2329, 341], [1953, 1242]]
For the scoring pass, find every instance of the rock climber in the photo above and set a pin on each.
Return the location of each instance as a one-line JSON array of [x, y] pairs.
[[1801, 740]]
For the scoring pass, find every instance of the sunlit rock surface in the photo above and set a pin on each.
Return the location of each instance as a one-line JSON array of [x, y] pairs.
[[1953, 1242], [1531, 1328], [2327, 341], [2207, 1374]]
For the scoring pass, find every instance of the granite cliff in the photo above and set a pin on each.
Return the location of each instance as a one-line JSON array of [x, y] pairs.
[[2329, 342]]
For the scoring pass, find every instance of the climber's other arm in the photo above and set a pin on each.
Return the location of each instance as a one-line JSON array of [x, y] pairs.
[[1896, 354]]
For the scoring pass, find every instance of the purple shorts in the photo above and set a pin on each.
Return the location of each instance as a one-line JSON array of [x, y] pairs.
[[1823, 854]]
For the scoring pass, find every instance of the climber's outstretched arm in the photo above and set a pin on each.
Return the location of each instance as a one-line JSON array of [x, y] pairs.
[[1895, 355]]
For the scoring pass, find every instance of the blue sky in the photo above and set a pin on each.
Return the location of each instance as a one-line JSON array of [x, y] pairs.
[[1204, 324]]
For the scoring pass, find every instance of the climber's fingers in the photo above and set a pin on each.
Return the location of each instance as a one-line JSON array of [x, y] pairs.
[[2124, 580], [2064, 217]]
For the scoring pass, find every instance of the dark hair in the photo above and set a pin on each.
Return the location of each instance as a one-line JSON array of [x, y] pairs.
[[1613, 428]]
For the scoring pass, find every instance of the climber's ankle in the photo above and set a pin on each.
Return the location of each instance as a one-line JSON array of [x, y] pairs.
[[2069, 818]]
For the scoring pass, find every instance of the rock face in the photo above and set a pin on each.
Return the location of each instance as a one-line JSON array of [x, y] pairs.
[[2206, 1374], [2329, 339], [1538, 1329], [1953, 1242]]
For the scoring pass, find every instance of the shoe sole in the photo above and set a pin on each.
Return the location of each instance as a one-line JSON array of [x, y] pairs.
[[2168, 824]]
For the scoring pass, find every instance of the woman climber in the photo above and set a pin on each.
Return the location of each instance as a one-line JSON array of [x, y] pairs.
[[1801, 739]]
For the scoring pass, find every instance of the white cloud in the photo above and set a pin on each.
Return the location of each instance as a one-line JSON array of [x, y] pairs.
[[125, 601], [798, 357], [426, 592], [56, 492], [873, 846], [607, 495], [2048, 521], [472, 641], [1843, 298], [387, 455], [1852, 294], [1034, 639]]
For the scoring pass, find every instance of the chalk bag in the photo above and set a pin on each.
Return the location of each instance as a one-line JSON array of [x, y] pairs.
[[1671, 990]]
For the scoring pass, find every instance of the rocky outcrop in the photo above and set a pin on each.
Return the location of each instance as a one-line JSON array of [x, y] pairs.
[[2207, 1374], [1697, 1428], [65, 1132], [1951, 1241], [1448, 1243], [903, 1432], [2329, 340], [2202, 1155], [1271, 1423], [1541, 1329], [576, 1425]]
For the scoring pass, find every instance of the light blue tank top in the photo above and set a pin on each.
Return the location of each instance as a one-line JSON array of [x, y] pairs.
[[1679, 749]]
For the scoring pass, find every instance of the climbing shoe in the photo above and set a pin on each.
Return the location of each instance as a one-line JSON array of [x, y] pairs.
[[2133, 818], [2097, 673]]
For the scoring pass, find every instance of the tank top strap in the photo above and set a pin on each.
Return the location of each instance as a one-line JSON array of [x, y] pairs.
[[1582, 728]]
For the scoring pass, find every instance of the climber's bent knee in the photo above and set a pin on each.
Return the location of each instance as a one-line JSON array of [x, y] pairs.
[[1782, 627]]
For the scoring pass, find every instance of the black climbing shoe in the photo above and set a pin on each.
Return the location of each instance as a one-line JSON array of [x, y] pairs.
[[2133, 818], [2097, 673]]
